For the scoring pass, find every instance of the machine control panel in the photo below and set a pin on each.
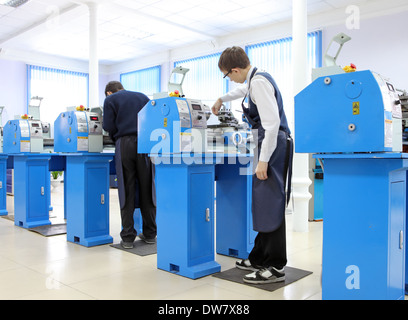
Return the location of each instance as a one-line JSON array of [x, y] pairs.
[[35, 129], [198, 116], [94, 123]]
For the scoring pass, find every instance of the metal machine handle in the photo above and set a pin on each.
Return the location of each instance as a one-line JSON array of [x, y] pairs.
[[102, 198], [207, 214], [42, 191], [401, 239]]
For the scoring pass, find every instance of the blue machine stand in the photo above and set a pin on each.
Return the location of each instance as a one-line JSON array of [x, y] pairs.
[[185, 216], [32, 194], [87, 198], [364, 226], [3, 186], [235, 234]]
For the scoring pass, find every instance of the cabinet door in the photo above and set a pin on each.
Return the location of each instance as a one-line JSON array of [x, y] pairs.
[[396, 240], [201, 217], [38, 191], [3, 185], [97, 201]]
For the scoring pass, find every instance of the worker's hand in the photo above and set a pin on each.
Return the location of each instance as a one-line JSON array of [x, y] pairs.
[[261, 170], [217, 106]]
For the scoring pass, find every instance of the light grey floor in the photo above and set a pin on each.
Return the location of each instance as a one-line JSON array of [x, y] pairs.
[[37, 267]]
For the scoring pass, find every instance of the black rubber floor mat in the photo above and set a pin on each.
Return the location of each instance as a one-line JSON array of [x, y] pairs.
[[236, 275], [51, 229], [140, 248]]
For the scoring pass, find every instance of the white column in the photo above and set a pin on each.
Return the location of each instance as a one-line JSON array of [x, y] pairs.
[[93, 55], [301, 78]]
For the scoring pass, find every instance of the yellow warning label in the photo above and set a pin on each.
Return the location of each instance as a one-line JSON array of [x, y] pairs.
[[165, 122], [356, 108]]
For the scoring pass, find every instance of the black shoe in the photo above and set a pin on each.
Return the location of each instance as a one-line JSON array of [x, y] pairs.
[[126, 245], [265, 275], [148, 241], [245, 264]]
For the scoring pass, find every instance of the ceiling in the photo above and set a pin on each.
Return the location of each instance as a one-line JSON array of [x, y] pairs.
[[128, 29]]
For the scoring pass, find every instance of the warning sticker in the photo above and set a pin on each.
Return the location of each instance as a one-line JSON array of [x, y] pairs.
[[25, 146], [82, 144], [185, 142], [388, 133], [356, 108]]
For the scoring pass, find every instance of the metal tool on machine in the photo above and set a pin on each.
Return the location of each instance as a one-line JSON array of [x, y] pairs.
[[34, 111], [229, 135]]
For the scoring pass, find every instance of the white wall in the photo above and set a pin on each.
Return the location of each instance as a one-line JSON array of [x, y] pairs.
[[13, 84], [379, 45]]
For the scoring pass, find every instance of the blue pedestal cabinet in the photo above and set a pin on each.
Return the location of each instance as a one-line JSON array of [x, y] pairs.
[[185, 218], [31, 190], [364, 226], [87, 198]]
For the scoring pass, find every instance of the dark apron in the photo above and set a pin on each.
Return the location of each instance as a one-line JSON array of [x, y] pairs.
[[270, 197]]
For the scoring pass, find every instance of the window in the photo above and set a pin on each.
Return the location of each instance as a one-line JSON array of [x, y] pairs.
[[146, 81], [58, 88]]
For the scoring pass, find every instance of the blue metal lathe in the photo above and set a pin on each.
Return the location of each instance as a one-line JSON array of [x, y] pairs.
[[23, 142], [353, 122], [174, 132], [78, 136]]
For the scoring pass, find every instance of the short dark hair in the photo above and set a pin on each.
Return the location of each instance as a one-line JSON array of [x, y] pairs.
[[113, 86], [234, 57]]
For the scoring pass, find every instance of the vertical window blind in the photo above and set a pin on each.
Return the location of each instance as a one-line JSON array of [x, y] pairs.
[[58, 88], [146, 81], [204, 81], [275, 57]]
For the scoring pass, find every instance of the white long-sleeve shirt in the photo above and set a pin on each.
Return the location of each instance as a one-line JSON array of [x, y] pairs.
[[263, 95]]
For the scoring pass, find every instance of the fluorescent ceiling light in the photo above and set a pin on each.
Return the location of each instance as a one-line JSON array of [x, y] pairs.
[[13, 3]]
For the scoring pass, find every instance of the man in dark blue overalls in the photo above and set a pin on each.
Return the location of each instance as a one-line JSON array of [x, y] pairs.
[[273, 170], [135, 171]]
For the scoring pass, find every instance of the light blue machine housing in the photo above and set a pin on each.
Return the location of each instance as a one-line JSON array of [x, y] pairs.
[[23, 136], [78, 131], [172, 125], [351, 112], [352, 121]]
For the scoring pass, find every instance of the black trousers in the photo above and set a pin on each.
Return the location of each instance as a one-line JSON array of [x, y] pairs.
[[270, 248], [137, 169]]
